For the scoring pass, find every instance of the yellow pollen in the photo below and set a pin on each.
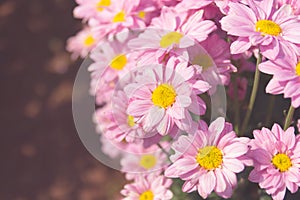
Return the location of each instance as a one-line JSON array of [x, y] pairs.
[[209, 157], [147, 195], [298, 69], [103, 3], [148, 161], [267, 27], [89, 41], [170, 39], [141, 14], [203, 60], [164, 95], [282, 162], [118, 62], [130, 121], [119, 17]]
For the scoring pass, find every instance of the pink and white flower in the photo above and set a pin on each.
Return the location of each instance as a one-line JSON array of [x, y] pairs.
[[276, 157], [139, 161], [81, 44], [162, 97], [274, 33], [286, 78], [148, 187], [173, 30], [209, 159]]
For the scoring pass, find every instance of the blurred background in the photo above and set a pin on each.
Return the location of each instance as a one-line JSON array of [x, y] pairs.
[[42, 156]]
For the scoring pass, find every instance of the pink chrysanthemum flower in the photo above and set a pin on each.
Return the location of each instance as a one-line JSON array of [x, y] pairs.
[[286, 78], [142, 161], [173, 30], [276, 157], [151, 187], [215, 62], [91, 8], [209, 160], [81, 44], [163, 97], [258, 25], [112, 148], [116, 123], [122, 15]]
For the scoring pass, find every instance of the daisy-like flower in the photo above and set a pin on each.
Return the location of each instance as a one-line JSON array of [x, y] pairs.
[[274, 33], [122, 15], [91, 8], [209, 160], [142, 161], [81, 44], [215, 62], [162, 97], [173, 30], [286, 78], [151, 187], [276, 157], [117, 125]]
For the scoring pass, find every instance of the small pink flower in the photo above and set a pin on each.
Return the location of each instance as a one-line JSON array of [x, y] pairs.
[[162, 97], [81, 44], [148, 187], [215, 62], [286, 78], [121, 16], [209, 159], [173, 30], [111, 148], [258, 25], [276, 157], [137, 160]]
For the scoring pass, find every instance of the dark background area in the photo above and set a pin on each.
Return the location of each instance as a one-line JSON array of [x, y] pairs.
[[42, 156]]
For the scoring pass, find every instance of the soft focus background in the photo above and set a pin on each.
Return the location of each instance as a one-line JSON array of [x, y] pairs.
[[41, 155]]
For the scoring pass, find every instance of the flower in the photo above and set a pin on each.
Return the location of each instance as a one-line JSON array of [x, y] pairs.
[[178, 32], [162, 96], [81, 44], [149, 187], [274, 33], [142, 161], [276, 157], [209, 160], [121, 16], [286, 78], [295, 4]]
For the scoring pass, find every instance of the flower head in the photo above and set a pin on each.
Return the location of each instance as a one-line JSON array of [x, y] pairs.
[[276, 158], [209, 160], [274, 33], [149, 187]]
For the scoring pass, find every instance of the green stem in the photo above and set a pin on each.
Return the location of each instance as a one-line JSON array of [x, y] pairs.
[[253, 95], [163, 150], [289, 117]]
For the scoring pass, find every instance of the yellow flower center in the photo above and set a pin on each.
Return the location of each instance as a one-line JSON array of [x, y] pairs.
[[147, 195], [118, 62], [148, 161], [164, 95], [267, 27], [209, 157], [103, 3], [141, 14], [298, 69], [203, 60], [170, 39], [119, 17], [282, 162], [89, 41], [130, 121]]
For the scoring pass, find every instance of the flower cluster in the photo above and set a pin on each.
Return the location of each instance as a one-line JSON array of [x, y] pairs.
[[154, 62]]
